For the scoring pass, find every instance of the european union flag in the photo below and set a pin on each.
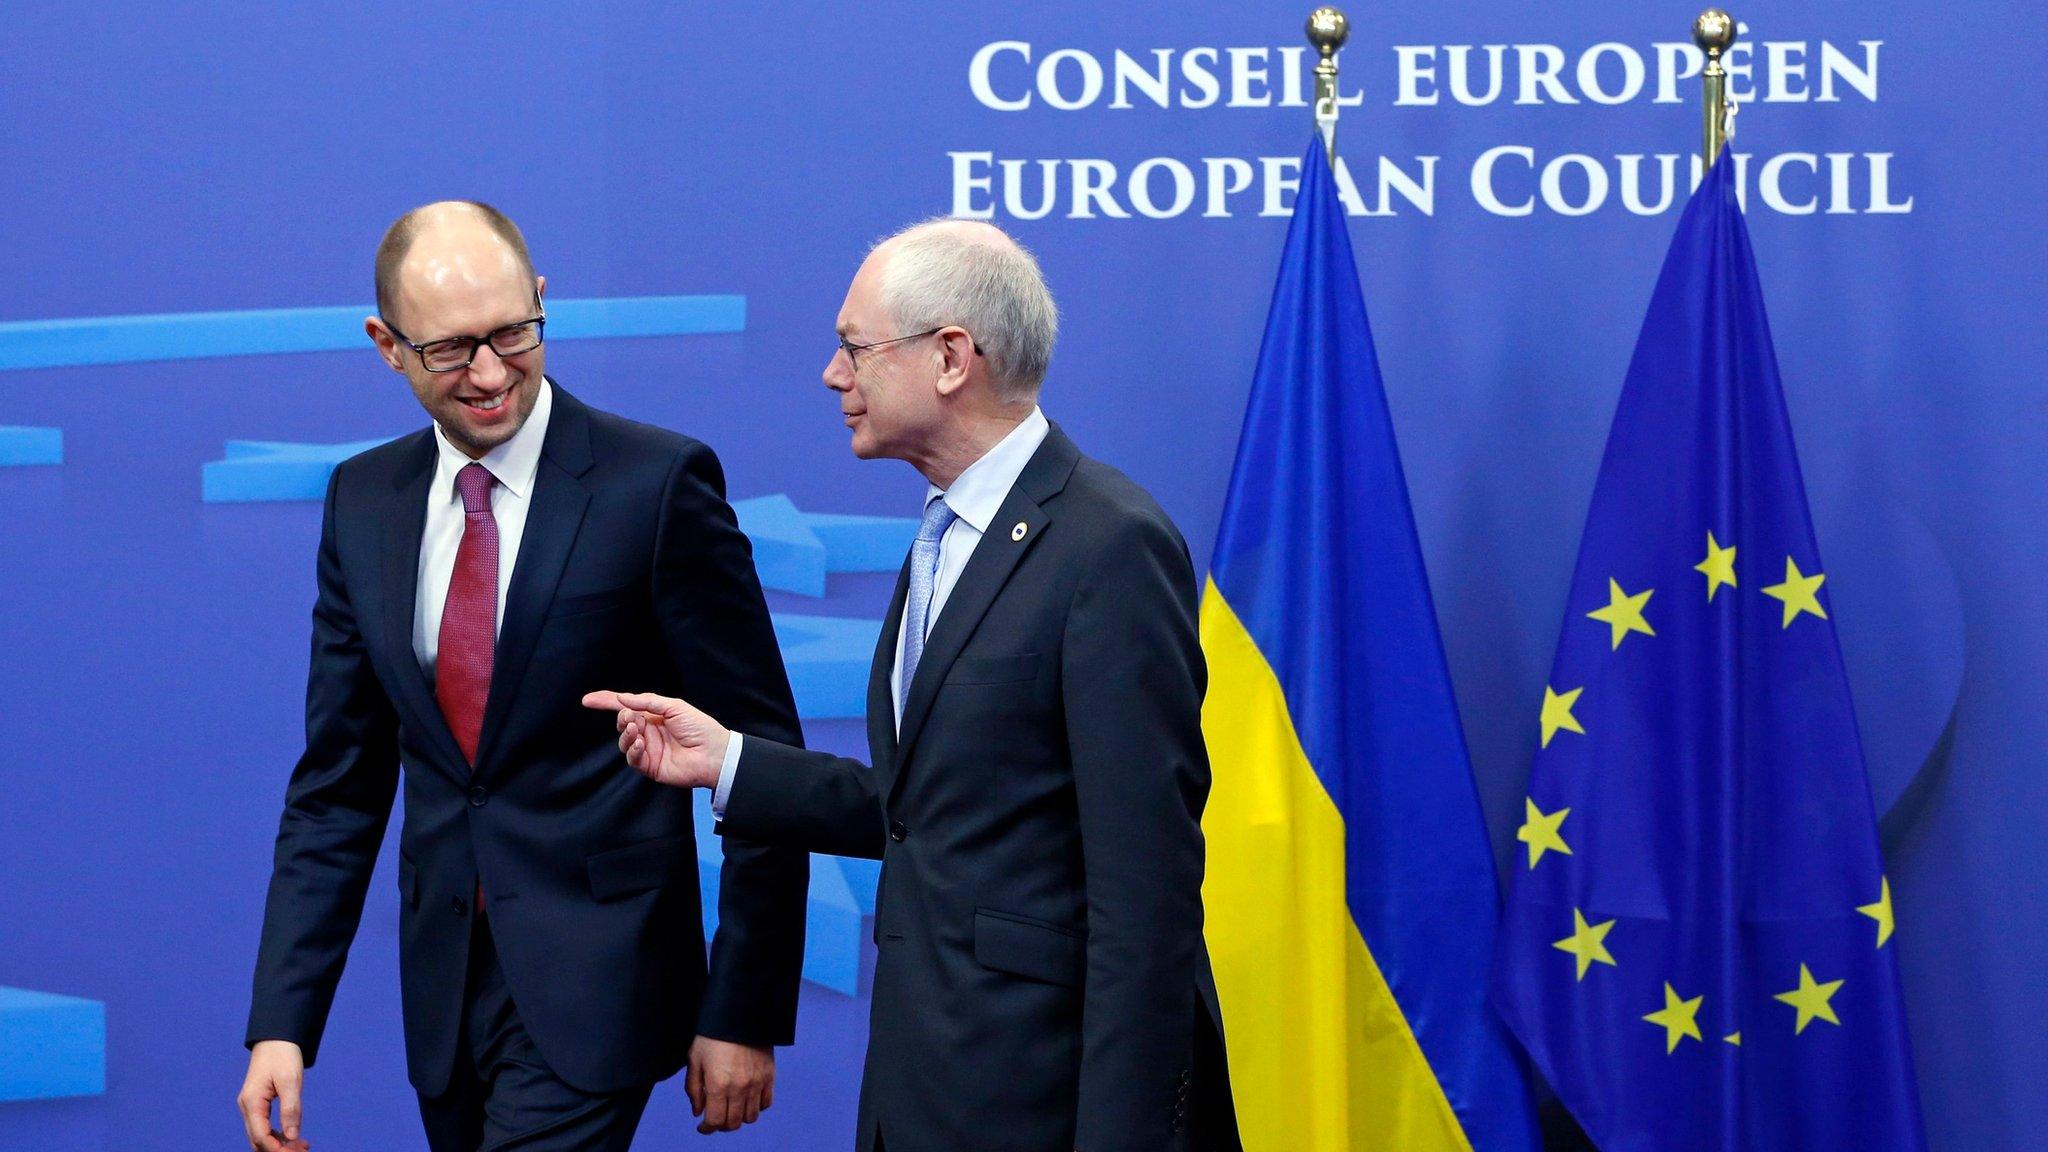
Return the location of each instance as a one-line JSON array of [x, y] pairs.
[[1351, 892], [1697, 948]]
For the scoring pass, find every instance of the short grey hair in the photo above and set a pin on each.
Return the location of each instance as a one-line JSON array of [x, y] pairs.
[[974, 275]]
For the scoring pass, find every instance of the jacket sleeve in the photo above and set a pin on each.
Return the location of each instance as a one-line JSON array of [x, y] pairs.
[[335, 809], [789, 795], [1133, 677], [714, 623]]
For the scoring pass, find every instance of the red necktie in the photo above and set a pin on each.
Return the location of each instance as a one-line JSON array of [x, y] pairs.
[[462, 666]]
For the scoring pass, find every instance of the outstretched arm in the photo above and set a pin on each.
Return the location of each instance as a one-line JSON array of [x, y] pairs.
[[780, 794]]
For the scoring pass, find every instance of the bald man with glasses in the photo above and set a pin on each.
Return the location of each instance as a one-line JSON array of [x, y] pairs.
[[474, 578]]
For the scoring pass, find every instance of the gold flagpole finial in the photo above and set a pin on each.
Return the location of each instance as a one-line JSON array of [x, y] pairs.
[[1327, 30], [1714, 31]]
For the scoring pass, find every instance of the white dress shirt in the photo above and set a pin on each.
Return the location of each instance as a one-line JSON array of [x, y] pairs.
[[976, 496], [514, 463]]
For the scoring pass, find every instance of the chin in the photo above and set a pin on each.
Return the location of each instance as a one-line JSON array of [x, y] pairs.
[[479, 441]]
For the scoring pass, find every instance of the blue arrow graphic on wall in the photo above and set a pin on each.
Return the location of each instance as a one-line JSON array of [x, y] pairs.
[[90, 340], [51, 1046], [258, 470], [270, 331], [30, 446], [794, 551]]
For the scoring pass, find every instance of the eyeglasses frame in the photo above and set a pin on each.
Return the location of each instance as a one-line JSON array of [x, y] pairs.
[[850, 348], [538, 321]]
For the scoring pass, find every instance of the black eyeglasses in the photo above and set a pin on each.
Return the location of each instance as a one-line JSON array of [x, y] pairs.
[[850, 348], [458, 352]]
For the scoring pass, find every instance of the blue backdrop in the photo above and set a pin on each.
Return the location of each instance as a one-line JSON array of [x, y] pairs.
[[1513, 202]]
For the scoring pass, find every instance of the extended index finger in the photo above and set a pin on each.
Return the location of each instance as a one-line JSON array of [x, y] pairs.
[[638, 701]]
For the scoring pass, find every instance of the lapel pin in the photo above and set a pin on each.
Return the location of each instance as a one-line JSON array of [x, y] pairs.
[[1017, 533]]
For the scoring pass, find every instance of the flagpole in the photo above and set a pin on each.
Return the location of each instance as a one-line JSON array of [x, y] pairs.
[[1327, 30], [1714, 31]]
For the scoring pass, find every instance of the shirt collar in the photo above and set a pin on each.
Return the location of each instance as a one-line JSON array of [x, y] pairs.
[[513, 463], [978, 493]]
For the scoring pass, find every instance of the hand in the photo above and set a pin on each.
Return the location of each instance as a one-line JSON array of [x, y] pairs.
[[277, 1071], [668, 741], [729, 1084]]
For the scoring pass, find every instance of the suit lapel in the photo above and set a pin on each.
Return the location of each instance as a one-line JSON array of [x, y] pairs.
[[552, 522], [403, 526], [1011, 534], [881, 698]]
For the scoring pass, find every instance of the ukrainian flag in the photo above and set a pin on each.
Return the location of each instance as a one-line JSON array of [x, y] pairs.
[[1351, 893]]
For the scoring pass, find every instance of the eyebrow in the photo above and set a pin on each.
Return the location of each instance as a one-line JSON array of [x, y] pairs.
[[481, 335]]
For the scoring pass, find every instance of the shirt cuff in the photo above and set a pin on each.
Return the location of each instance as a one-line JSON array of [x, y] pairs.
[[725, 774]]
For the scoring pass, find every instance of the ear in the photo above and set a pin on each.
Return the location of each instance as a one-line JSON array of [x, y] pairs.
[[387, 343], [540, 287], [958, 361]]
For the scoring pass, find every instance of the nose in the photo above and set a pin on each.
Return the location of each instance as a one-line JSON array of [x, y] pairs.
[[838, 374], [487, 368]]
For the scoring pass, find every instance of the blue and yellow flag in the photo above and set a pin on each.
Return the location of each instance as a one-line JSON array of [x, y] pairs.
[[1351, 893], [1697, 948]]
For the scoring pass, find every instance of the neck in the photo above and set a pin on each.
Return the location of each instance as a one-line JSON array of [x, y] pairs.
[[956, 449]]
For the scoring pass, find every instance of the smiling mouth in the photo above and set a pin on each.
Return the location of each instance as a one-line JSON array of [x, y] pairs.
[[485, 403]]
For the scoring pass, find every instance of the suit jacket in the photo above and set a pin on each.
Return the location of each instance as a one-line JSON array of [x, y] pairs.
[[632, 570], [1042, 983]]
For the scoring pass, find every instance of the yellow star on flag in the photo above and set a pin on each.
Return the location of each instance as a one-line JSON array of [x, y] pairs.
[[1624, 613], [1557, 713], [1811, 998], [1677, 1018], [1587, 942], [1718, 567], [1734, 1038], [1798, 593], [1880, 911], [1539, 832]]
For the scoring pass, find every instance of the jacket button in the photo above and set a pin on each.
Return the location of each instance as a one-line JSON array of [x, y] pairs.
[[898, 831], [479, 796], [461, 906]]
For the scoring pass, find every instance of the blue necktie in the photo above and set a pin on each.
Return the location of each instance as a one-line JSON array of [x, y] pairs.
[[924, 578]]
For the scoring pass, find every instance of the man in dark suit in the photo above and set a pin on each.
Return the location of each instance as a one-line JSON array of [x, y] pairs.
[[1034, 717], [474, 577]]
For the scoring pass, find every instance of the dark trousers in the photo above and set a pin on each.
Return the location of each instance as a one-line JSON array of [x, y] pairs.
[[503, 1096]]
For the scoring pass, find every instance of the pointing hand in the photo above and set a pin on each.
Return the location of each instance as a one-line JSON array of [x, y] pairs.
[[665, 739]]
